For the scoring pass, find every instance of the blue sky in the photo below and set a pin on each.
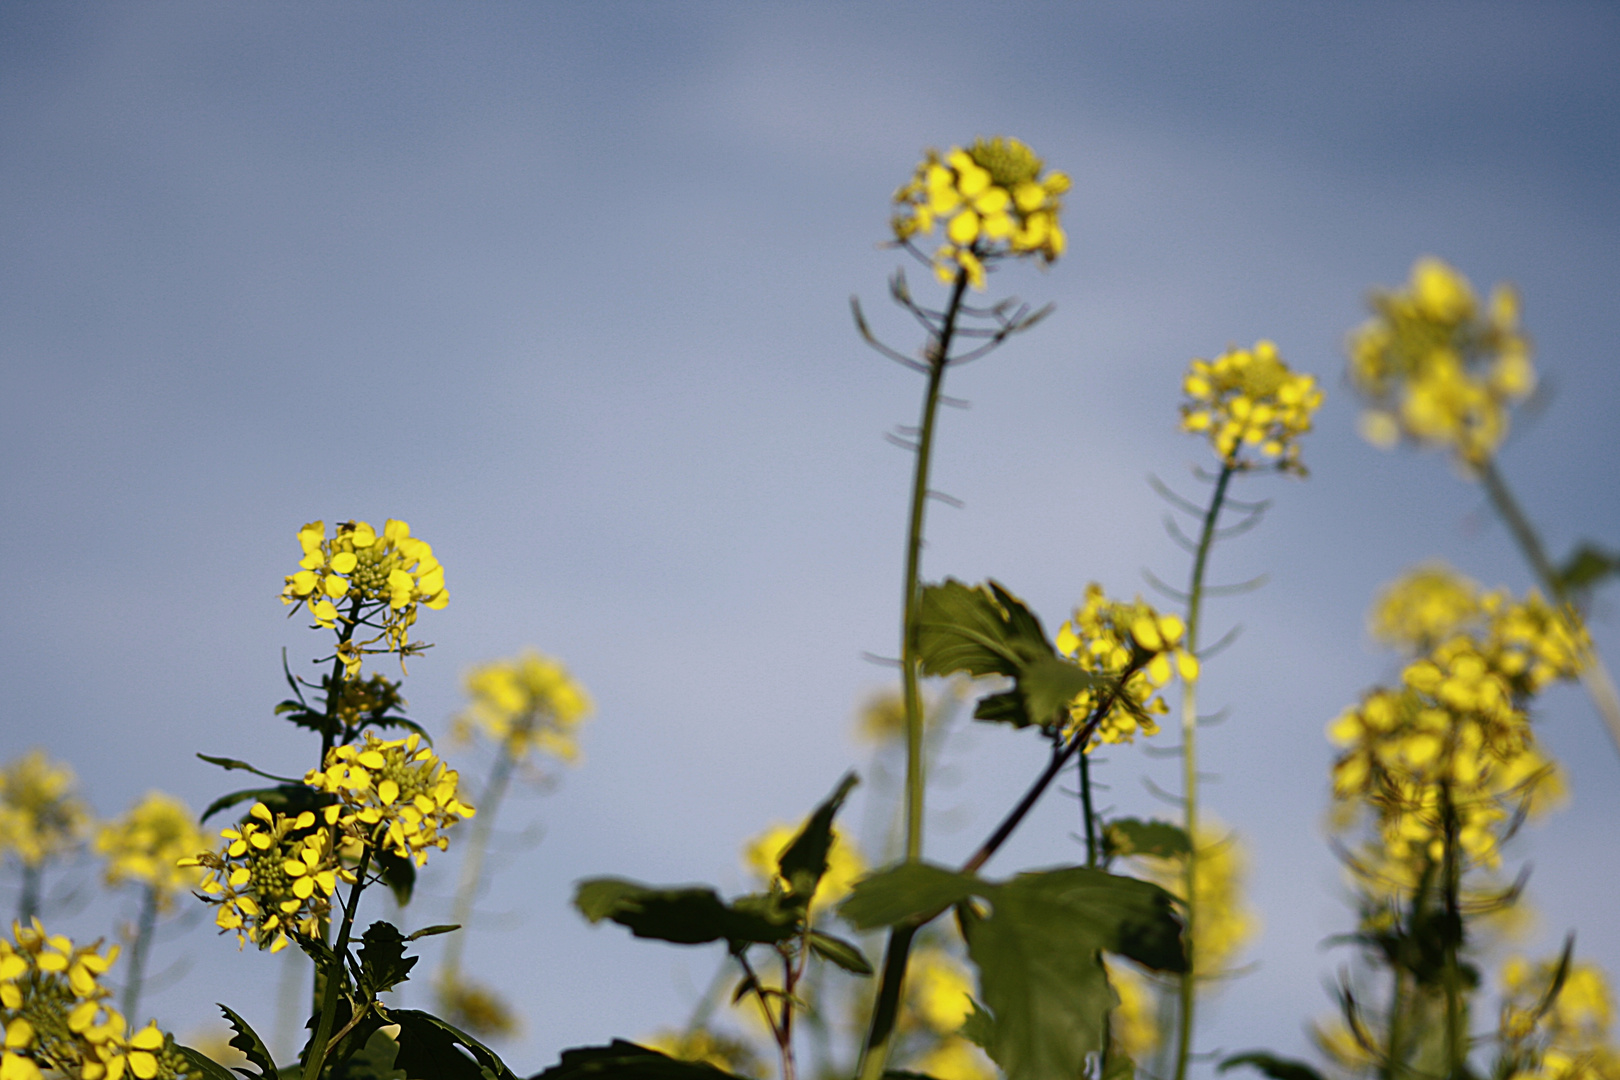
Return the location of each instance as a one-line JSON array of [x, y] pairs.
[[566, 287]]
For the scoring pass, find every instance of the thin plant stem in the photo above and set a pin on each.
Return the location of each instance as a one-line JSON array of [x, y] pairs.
[[28, 902], [138, 949], [875, 1055], [1397, 1027], [334, 977], [780, 1032], [1595, 675], [1451, 888], [1187, 983], [1083, 767], [472, 864]]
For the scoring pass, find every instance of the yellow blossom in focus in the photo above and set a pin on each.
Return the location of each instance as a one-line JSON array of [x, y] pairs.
[[1249, 400], [275, 873], [395, 794], [366, 579], [147, 844], [992, 202], [1132, 642], [1437, 367], [40, 814], [526, 704], [845, 866]]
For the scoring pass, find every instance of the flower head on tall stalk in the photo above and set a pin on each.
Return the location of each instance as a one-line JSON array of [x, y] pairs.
[[381, 578], [145, 847], [993, 201], [1251, 405], [41, 815], [1129, 641], [394, 795]]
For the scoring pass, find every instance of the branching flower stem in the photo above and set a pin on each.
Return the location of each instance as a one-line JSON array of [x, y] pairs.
[[334, 975], [1188, 983], [1594, 674]]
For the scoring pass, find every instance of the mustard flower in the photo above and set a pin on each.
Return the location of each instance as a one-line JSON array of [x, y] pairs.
[[146, 844], [381, 579], [704, 1045], [1436, 368], [275, 874], [955, 1058], [394, 794], [845, 864], [1248, 399], [939, 992], [993, 202], [1568, 1040], [1424, 606], [1224, 924], [1134, 1024], [1130, 641], [55, 1015], [526, 704], [40, 814], [476, 1008]]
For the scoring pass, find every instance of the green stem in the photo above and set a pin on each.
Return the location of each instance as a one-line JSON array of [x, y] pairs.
[[28, 902], [875, 1056], [137, 954], [1187, 985], [1594, 674], [1086, 810], [1398, 1006], [472, 865], [1451, 889], [334, 976]]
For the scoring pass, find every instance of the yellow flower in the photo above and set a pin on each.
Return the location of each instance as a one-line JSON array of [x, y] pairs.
[[395, 794], [1566, 1040], [1222, 923], [1424, 606], [146, 845], [993, 202], [955, 1058], [1133, 1025], [1437, 369], [1249, 400], [703, 1045], [1132, 642], [476, 1008], [844, 864], [380, 579], [40, 815], [276, 873], [526, 704]]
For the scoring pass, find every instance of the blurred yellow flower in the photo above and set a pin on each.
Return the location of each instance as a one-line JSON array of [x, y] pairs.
[[955, 1058], [1567, 1039], [41, 816], [993, 202], [1134, 1024], [707, 1046], [1437, 369], [845, 865], [1222, 924], [1248, 398], [147, 844], [526, 704]]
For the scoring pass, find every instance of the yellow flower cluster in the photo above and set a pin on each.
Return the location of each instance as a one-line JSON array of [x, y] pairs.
[[1436, 368], [384, 577], [1250, 398], [1132, 642], [1133, 1026], [526, 704], [1566, 1040], [147, 844], [1423, 607], [55, 1015], [1223, 923], [276, 873], [845, 865], [396, 795], [704, 1045], [994, 203], [40, 816], [939, 992]]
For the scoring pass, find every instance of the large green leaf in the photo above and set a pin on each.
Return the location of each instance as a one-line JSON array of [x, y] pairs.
[[1275, 1067], [431, 1049], [1040, 968], [623, 1060], [908, 891], [383, 963], [247, 1040], [805, 859], [685, 916], [986, 630]]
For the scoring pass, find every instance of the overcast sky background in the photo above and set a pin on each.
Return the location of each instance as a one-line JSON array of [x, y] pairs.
[[566, 287]]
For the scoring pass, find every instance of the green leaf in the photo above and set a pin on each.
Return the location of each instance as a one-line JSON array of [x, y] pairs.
[[1275, 1067], [1587, 566], [979, 1028], [1119, 1067], [204, 1065], [398, 873], [373, 1057], [431, 1049], [1040, 968], [247, 1040], [434, 930], [383, 963], [685, 916], [1048, 683], [623, 1060], [805, 859], [1160, 839], [843, 953], [907, 891]]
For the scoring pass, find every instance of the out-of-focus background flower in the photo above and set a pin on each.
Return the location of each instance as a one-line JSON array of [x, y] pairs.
[[566, 288]]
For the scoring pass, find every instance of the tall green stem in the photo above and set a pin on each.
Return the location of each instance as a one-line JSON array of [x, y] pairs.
[[131, 996], [1083, 767], [28, 902], [875, 1055], [334, 976], [472, 865], [1187, 988], [1594, 674], [1451, 898]]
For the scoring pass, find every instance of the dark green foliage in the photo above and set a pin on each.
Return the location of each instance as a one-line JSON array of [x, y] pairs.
[[985, 630], [383, 963], [916, 890], [291, 799], [623, 1060], [1587, 566], [431, 1049], [805, 860], [1130, 836], [247, 1040], [203, 1065], [1275, 1067], [843, 953], [685, 916]]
